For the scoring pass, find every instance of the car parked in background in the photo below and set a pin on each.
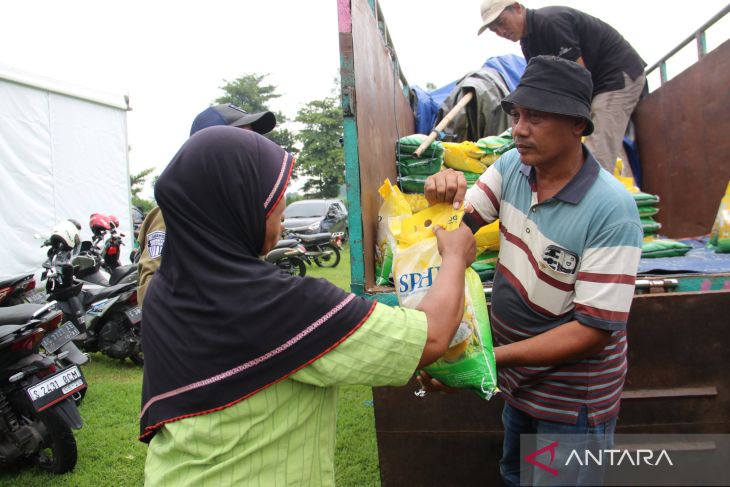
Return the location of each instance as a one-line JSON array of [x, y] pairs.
[[317, 216]]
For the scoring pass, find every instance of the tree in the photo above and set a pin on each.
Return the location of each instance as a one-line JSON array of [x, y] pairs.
[[136, 183], [321, 158], [251, 94]]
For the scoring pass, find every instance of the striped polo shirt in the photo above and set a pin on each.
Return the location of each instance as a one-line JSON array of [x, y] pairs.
[[571, 257]]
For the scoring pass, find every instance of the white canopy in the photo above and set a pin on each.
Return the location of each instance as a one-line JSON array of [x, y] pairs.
[[63, 154]]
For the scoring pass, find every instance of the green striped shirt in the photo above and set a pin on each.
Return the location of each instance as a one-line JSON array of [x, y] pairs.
[[285, 434]]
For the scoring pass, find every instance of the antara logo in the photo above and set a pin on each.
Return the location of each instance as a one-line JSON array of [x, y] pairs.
[[599, 458], [617, 457], [551, 448], [410, 282]]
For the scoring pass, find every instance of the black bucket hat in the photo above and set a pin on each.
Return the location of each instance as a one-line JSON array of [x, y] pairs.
[[554, 85]]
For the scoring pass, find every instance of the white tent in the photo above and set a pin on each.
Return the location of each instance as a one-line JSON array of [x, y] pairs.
[[63, 154]]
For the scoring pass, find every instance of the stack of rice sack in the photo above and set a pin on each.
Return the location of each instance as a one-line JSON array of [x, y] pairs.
[[412, 170], [646, 203], [473, 158]]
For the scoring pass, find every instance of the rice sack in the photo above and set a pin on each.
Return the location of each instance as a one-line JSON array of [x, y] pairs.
[[469, 360]]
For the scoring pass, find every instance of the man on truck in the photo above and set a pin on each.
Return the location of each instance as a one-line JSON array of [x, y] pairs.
[[570, 245], [616, 69]]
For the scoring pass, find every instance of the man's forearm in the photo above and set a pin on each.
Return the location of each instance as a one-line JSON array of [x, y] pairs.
[[571, 341]]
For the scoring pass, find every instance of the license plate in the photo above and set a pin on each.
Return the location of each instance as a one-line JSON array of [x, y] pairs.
[[134, 315], [56, 388], [59, 337], [36, 297]]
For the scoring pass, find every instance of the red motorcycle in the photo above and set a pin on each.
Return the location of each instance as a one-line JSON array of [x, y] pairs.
[[101, 225]]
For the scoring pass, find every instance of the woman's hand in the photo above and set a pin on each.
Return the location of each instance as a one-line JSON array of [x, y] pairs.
[[459, 243], [429, 384]]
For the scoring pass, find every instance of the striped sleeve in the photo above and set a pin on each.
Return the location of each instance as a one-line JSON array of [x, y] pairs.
[[384, 351], [604, 287], [486, 195]]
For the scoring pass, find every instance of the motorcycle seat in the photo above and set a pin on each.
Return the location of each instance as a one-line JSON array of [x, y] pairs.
[[93, 295], [120, 272], [11, 281], [6, 330], [285, 243], [315, 238], [22, 313]]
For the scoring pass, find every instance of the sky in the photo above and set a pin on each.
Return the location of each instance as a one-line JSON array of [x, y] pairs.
[[171, 58]]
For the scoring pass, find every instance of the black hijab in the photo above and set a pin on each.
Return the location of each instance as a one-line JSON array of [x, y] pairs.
[[219, 323]]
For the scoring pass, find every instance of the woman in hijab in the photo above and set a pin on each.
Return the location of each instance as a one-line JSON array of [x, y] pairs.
[[241, 360]]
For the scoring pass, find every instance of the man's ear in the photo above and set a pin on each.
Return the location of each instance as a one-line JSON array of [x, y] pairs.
[[579, 125]]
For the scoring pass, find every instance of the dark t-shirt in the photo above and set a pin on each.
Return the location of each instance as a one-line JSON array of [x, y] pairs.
[[570, 33]]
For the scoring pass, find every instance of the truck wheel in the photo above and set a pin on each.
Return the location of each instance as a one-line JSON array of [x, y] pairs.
[[58, 452], [330, 256]]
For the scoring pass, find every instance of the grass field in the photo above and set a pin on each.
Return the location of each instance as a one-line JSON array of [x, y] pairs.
[[110, 455]]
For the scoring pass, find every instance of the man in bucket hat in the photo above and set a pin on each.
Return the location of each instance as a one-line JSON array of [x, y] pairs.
[[152, 232], [616, 68], [570, 243]]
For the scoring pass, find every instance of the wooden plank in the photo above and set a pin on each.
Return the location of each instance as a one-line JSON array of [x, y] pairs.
[[382, 114], [682, 132]]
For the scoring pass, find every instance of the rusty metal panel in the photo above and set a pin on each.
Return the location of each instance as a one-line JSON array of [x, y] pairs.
[[677, 382], [383, 115], [682, 130]]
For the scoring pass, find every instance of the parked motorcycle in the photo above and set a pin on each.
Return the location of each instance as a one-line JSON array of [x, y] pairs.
[[88, 268], [289, 256], [20, 289], [106, 319], [111, 251], [320, 248], [37, 408]]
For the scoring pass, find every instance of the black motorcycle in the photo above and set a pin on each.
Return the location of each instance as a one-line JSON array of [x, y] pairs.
[[37, 408], [289, 256], [88, 265], [20, 289], [320, 248], [102, 318]]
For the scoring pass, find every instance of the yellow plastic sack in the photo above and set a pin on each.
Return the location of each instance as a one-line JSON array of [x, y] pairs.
[[394, 205], [628, 182], [720, 235], [487, 237], [469, 360], [464, 156], [417, 202]]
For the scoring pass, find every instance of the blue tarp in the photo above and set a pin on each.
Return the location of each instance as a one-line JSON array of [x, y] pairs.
[[700, 259], [509, 66]]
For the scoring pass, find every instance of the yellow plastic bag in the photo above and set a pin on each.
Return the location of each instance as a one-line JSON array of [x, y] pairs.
[[464, 156], [416, 201], [394, 205], [720, 235], [469, 360], [487, 237], [627, 181]]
